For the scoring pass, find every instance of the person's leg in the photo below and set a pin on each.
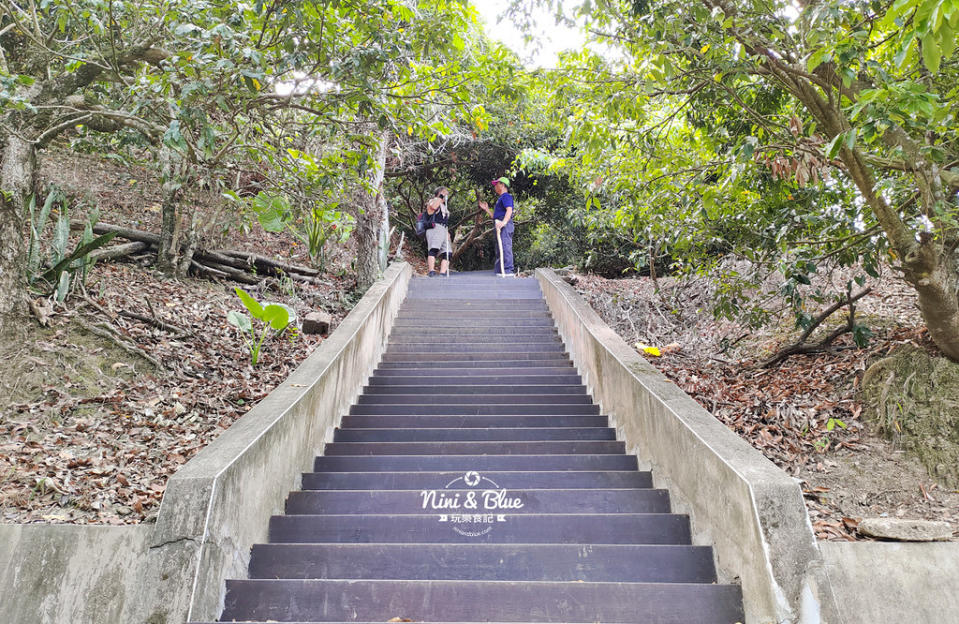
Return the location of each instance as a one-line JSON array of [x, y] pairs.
[[431, 261], [507, 235], [445, 254]]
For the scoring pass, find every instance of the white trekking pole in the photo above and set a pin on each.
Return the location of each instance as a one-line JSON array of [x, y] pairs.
[[502, 260], [449, 251]]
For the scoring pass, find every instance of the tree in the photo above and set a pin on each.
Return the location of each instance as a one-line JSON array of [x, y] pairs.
[[854, 90], [42, 95]]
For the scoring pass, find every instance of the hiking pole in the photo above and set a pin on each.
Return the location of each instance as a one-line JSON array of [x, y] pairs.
[[449, 251], [502, 260]]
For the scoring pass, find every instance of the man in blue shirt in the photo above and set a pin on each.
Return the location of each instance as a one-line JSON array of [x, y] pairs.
[[502, 215]]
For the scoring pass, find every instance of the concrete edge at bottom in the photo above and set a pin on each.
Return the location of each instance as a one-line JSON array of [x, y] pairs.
[[894, 582]]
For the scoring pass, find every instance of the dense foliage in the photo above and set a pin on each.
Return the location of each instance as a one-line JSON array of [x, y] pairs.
[[793, 137]]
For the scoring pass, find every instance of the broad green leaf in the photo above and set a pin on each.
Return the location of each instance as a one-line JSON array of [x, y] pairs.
[[947, 39], [239, 320], [277, 316], [250, 303], [931, 54], [817, 58], [832, 148]]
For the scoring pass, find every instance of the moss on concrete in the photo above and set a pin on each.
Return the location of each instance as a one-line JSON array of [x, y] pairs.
[[913, 398]]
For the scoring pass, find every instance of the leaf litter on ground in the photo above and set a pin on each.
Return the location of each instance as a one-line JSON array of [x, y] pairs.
[[805, 414]]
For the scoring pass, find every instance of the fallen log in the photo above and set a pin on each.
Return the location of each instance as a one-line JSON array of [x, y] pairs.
[[122, 232], [227, 263], [118, 251], [237, 275], [203, 270], [262, 262]]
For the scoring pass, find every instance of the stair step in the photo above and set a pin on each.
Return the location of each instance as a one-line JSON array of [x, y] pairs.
[[469, 378], [507, 479], [584, 447], [587, 528], [519, 398], [584, 409], [429, 386], [462, 434], [419, 331], [485, 562], [470, 421], [511, 346], [459, 343], [417, 321], [489, 360], [462, 463], [542, 366], [470, 304], [392, 502], [325, 600], [420, 315]]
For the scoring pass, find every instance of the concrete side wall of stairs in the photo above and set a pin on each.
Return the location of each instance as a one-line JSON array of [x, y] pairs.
[[758, 526], [215, 507]]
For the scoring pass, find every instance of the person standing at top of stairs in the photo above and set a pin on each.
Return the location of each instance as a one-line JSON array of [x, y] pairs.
[[502, 215], [437, 233]]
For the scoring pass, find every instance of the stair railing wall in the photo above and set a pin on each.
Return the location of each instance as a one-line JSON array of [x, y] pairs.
[[214, 508], [241, 479], [749, 510]]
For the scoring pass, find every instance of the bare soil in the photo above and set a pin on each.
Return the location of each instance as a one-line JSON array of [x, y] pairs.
[[806, 414]]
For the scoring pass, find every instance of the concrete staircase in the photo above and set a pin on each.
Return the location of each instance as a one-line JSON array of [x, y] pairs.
[[476, 400]]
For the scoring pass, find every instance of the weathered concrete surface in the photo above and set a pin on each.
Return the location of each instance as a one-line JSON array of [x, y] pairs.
[[747, 508], [892, 583], [215, 507], [62, 573], [904, 530]]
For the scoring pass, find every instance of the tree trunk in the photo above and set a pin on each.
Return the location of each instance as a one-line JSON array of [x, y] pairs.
[[173, 241], [370, 221], [384, 242], [190, 240], [17, 179], [928, 264]]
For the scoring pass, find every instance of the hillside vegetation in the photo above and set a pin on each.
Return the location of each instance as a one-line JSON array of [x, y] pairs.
[[779, 180]]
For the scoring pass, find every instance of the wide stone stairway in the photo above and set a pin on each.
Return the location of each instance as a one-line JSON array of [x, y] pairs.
[[474, 480]]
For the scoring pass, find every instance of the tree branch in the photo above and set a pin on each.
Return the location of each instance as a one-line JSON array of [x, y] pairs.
[[800, 345]]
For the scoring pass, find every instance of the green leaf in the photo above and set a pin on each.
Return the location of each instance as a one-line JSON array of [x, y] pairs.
[[173, 138], [272, 211], [850, 139], [277, 316], [904, 50], [250, 303], [79, 253], [947, 39], [239, 319], [817, 58], [61, 235], [832, 148], [63, 287], [931, 54]]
